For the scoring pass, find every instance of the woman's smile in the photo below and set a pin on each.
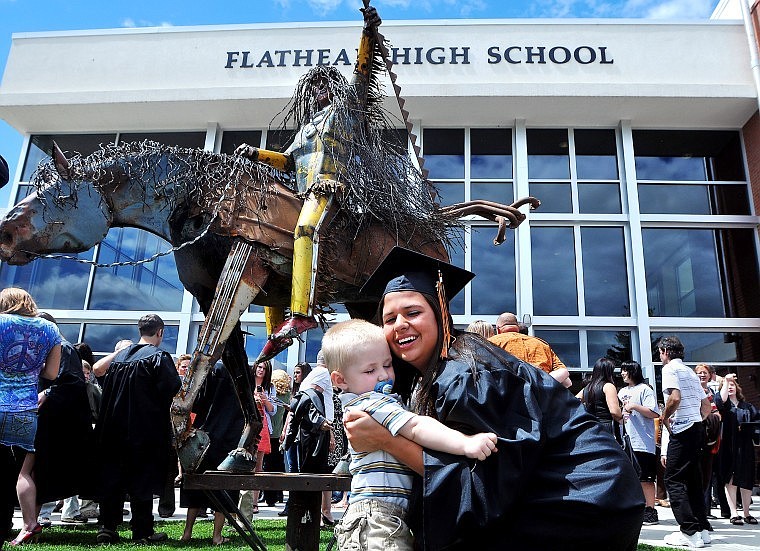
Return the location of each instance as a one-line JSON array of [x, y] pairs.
[[410, 327]]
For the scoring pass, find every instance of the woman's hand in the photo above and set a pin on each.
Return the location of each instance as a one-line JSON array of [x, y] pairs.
[[364, 433]]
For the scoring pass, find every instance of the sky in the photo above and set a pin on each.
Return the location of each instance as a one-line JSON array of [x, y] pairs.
[[17, 16]]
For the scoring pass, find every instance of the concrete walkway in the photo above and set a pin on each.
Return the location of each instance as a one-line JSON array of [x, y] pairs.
[[726, 536]]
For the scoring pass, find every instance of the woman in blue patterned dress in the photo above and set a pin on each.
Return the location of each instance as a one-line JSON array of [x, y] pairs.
[[29, 348]]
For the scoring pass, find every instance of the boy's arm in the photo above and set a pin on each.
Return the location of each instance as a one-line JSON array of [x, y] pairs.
[[432, 434], [367, 435]]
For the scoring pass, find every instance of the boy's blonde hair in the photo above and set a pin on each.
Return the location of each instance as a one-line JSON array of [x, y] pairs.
[[17, 301], [340, 340]]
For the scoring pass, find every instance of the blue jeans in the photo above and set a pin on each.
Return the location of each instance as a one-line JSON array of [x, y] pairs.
[[18, 428]]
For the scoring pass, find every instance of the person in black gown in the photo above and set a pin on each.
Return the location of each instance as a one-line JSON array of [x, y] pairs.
[[132, 432], [558, 481]]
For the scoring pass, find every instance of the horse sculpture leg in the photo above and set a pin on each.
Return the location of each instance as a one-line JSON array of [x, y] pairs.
[[238, 285]]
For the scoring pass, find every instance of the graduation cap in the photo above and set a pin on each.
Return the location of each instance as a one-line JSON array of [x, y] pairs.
[[405, 270]]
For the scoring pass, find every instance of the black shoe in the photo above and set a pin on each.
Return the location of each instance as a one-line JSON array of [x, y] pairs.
[[650, 517], [165, 514], [106, 536], [155, 537], [283, 513], [271, 503], [711, 517]]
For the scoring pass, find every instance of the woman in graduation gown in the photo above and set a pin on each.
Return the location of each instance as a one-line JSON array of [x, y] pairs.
[[558, 480]]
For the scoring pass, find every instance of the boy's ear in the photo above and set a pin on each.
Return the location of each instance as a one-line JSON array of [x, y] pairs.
[[337, 380]]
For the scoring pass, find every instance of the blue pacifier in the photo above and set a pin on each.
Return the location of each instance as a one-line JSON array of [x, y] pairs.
[[384, 387]]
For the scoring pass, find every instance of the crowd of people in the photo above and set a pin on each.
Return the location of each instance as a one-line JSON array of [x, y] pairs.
[[484, 415]]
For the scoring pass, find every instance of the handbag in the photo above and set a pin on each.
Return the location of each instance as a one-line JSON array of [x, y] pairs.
[[628, 449]]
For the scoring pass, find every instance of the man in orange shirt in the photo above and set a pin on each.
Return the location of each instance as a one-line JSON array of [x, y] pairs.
[[529, 349]]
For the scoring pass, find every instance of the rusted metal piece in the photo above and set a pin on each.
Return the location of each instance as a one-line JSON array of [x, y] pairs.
[[496, 212]]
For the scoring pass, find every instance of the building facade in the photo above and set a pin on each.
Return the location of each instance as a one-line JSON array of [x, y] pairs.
[[638, 137]]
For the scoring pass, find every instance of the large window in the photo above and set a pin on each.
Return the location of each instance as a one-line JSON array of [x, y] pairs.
[[574, 170], [481, 171], [674, 168], [701, 273], [154, 285]]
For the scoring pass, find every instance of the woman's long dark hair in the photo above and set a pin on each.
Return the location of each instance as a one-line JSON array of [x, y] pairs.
[[266, 383], [305, 370], [603, 372], [407, 376]]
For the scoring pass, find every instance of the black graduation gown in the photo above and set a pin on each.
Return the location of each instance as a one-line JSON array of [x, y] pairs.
[[736, 456], [305, 432], [133, 431], [64, 439], [218, 413], [558, 480]]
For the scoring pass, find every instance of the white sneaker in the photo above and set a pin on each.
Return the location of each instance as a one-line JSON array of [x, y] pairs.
[[705, 535], [680, 539]]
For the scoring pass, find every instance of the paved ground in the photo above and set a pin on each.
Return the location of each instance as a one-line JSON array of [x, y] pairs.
[[726, 536]]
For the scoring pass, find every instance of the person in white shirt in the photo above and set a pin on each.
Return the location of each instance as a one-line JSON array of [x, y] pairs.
[[639, 412], [685, 407]]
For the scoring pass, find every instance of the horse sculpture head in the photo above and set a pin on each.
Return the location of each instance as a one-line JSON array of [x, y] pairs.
[[46, 220]]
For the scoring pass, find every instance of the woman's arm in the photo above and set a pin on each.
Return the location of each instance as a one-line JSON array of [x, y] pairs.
[[52, 363], [613, 404], [365, 53], [275, 159], [367, 435]]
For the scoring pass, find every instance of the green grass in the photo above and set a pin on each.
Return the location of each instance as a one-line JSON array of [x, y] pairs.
[[68, 538]]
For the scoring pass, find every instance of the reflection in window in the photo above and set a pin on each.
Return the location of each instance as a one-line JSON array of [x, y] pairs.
[[70, 331], [456, 257], [154, 285], [713, 346], [449, 192], [596, 154], [605, 278], [694, 199], [615, 345], [492, 191], [598, 198], [254, 342], [548, 153], [683, 155], [231, 139], [493, 290], [704, 273], [553, 197], [313, 345], [41, 148], [683, 272], [444, 152], [103, 337], [566, 345], [57, 284], [490, 153], [554, 280]]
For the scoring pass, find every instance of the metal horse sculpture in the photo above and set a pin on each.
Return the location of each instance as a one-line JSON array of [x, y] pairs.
[[231, 223]]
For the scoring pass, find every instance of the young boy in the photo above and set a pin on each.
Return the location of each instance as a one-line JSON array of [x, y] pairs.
[[359, 359]]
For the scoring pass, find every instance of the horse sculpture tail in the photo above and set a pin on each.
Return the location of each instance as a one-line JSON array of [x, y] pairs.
[[497, 212]]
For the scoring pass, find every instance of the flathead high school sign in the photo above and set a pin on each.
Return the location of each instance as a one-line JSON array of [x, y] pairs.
[[453, 55]]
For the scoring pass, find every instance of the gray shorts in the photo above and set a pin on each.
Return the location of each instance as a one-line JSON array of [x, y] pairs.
[[373, 525]]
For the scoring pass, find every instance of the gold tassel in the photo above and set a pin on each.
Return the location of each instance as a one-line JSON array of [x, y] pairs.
[[444, 305]]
